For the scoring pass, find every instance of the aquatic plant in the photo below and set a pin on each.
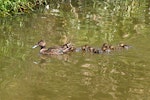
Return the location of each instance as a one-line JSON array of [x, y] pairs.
[[11, 7]]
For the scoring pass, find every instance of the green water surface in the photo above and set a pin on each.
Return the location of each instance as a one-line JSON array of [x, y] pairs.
[[120, 75]]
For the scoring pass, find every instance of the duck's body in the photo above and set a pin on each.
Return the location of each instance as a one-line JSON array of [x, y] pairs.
[[53, 50]]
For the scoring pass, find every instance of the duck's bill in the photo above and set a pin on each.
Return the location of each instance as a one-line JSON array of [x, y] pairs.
[[35, 46]]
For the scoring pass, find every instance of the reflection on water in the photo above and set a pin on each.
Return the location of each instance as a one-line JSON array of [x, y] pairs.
[[25, 74]]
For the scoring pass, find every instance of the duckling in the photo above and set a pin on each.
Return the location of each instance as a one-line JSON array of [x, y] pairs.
[[67, 45], [97, 51], [124, 46], [111, 47], [90, 49], [72, 48], [105, 48], [85, 48]]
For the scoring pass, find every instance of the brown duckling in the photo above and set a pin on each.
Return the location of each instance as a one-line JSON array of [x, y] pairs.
[[111, 47], [124, 46], [91, 49], [67, 45], [72, 48], [85, 48], [52, 50], [98, 51], [88, 48], [105, 47], [108, 48]]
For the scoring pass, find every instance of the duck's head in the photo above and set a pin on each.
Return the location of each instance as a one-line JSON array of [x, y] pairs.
[[105, 46], [90, 49], [122, 45], [111, 47], [85, 47], [41, 44]]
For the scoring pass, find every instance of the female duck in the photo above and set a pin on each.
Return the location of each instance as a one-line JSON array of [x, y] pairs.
[[52, 50]]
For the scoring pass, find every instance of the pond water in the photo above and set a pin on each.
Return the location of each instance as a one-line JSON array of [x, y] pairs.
[[120, 75]]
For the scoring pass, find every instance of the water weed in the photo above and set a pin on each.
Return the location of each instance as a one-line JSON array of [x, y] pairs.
[[11, 7]]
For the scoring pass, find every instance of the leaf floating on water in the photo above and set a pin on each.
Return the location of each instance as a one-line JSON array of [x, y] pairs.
[[86, 65], [35, 62], [126, 35]]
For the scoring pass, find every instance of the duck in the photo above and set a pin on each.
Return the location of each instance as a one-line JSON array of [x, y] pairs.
[[91, 49], [85, 48], [106, 48], [52, 50], [97, 51], [112, 48], [124, 46]]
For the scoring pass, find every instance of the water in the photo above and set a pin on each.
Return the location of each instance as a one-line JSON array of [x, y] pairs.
[[120, 75]]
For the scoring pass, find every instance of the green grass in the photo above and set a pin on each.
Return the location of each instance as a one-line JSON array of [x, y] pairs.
[[12, 7]]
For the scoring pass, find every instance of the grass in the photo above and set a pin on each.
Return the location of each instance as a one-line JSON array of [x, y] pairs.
[[11, 7]]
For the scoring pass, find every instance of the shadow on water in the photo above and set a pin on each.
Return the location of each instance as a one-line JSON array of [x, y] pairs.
[[24, 74]]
